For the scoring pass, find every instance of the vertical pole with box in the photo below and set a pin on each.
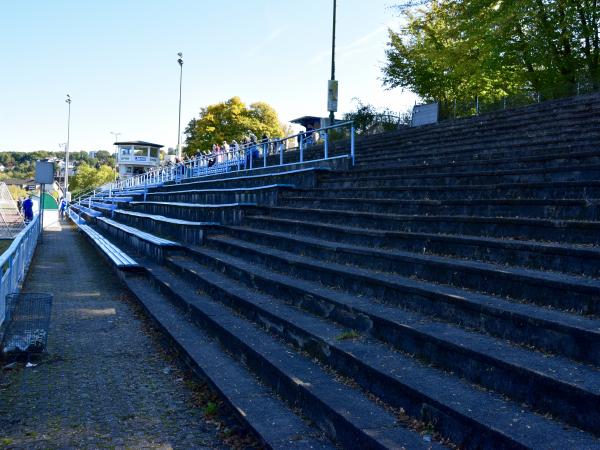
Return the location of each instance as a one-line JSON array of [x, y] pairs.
[[44, 174]]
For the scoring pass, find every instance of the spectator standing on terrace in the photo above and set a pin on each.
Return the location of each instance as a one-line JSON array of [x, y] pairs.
[[28, 209], [225, 149], [20, 205], [62, 208], [252, 137], [310, 135]]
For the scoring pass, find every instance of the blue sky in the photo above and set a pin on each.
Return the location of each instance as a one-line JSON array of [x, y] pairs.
[[117, 60]]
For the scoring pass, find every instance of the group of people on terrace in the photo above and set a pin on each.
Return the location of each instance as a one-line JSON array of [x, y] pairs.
[[242, 153], [225, 151], [251, 148]]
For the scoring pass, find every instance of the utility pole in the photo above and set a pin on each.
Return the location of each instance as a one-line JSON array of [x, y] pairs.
[[116, 135], [180, 61], [332, 86], [68, 101]]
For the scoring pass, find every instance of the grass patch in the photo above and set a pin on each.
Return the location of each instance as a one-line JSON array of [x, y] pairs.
[[211, 409], [349, 334]]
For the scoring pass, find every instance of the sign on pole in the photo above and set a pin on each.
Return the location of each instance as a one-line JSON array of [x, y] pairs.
[[424, 114], [332, 95], [44, 172]]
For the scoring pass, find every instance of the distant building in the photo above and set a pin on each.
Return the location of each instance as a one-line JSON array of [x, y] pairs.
[[136, 157], [314, 122], [59, 167], [20, 183]]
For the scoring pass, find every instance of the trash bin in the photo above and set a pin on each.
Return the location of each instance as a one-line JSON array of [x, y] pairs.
[[27, 322]]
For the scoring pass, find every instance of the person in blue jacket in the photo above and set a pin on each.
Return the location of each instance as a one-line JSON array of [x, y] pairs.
[[28, 209], [62, 208]]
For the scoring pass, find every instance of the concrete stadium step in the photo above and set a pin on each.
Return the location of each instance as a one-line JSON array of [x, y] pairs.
[[573, 173], [115, 256], [106, 208], [517, 135], [113, 199], [266, 195], [553, 157], [342, 411], [554, 257], [526, 119], [305, 177], [522, 323], [270, 420], [543, 230], [559, 290], [532, 124], [566, 209], [184, 231], [229, 213], [89, 213], [303, 331], [145, 243], [543, 190], [494, 145]]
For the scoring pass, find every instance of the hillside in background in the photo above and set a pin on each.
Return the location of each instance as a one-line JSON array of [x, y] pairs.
[[21, 165]]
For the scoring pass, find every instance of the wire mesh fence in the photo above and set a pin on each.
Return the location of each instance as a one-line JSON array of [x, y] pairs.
[[27, 322]]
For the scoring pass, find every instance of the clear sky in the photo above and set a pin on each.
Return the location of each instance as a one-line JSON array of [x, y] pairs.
[[118, 61]]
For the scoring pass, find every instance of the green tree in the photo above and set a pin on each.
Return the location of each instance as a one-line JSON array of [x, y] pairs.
[[492, 48], [17, 192], [230, 120], [88, 178], [368, 119]]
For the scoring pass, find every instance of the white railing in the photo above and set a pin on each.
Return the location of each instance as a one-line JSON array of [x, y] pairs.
[[14, 262], [240, 157]]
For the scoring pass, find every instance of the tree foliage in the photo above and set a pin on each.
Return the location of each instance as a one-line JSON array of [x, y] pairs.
[[16, 192], [88, 178], [368, 119], [230, 120], [452, 49]]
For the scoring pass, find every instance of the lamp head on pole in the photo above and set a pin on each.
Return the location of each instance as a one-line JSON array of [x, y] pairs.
[[180, 60], [68, 100]]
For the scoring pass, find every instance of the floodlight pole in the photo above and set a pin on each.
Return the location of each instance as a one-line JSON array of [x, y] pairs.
[[116, 135], [331, 113], [68, 101], [180, 61]]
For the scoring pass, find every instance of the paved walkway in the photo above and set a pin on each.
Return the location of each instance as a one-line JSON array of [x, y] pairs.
[[105, 382]]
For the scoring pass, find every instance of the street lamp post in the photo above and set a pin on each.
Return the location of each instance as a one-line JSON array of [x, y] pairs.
[[332, 103], [68, 101], [180, 61], [116, 135]]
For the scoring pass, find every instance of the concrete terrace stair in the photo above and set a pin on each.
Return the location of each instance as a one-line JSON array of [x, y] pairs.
[[446, 289]]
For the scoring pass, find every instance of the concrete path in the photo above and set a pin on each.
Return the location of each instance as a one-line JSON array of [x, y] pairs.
[[105, 382]]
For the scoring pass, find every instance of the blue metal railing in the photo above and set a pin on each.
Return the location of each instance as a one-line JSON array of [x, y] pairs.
[[15, 261], [240, 157]]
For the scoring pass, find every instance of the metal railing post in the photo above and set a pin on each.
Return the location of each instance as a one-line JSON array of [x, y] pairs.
[[326, 144], [264, 146], [281, 153], [352, 143], [301, 148]]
